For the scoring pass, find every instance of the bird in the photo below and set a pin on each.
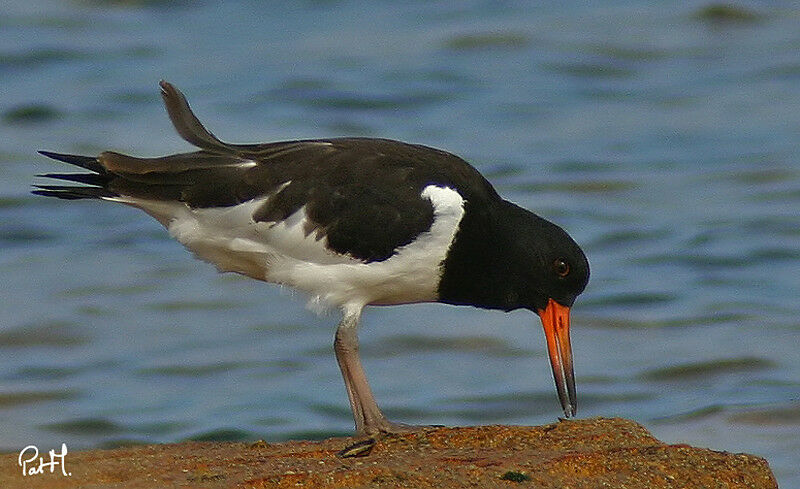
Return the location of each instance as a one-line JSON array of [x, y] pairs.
[[352, 222]]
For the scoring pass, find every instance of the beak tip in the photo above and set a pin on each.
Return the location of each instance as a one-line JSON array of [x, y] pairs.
[[555, 320]]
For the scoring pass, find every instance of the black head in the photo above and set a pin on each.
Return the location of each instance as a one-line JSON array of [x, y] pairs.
[[549, 263], [509, 258]]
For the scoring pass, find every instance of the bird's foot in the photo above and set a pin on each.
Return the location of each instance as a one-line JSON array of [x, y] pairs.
[[385, 427], [377, 431], [358, 449]]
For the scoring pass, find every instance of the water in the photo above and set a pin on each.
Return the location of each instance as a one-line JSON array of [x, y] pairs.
[[664, 136]]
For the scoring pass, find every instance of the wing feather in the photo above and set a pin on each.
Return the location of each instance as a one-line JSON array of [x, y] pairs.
[[186, 123], [362, 194]]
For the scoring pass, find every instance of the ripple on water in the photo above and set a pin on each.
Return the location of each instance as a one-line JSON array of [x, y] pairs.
[[791, 195], [720, 13], [771, 416], [8, 201], [617, 238], [56, 334], [711, 261], [104, 289], [160, 427], [280, 327], [12, 399], [753, 415], [629, 299], [403, 344], [752, 177], [124, 442], [36, 58], [18, 234], [696, 370], [596, 70], [312, 435], [270, 370], [331, 410], [583, 166], [360, 100], [447, 79], [588, 186], [498, 407], [694, 414], [487, 40], [510, 405], [136, 3], [626, 52], [135, 97], [43, 19], [203, 305], [135, 236], [783, 71], [316, 93], [197, 370], [31, 113], [399, 412], [772, 225], [85, 426], [45, 373], [672, 322]]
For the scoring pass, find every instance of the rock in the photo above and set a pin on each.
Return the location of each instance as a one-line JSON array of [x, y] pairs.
[[590, 453]]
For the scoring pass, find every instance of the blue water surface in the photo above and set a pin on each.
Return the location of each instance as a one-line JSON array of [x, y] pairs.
[[664, 136]]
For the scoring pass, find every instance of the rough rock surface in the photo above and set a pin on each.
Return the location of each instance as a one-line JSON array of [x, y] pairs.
[[591, 453]]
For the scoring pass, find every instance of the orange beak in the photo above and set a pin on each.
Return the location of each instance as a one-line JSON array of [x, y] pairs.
[[555, 319]]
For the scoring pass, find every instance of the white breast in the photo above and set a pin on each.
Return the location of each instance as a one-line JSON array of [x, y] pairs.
[[410, 275]]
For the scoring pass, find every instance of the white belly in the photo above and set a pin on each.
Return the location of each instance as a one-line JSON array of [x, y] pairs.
[[282, 253]]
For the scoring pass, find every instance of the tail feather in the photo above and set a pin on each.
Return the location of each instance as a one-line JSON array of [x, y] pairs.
[[87, 178], [212, 175], [186, 123], [96, 182], [88, 162], [72, 192]]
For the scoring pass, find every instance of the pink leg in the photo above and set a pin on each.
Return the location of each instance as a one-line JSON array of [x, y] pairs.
[[368, 416]]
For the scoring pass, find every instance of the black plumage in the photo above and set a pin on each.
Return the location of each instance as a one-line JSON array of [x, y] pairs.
[[332, 178]]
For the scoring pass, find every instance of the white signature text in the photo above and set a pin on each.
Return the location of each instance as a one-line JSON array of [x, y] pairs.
[[28, 461]]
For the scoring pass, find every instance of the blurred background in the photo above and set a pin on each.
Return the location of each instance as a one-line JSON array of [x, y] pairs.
[[664, 136]]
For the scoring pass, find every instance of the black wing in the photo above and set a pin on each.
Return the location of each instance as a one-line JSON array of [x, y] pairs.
[[362, 194]]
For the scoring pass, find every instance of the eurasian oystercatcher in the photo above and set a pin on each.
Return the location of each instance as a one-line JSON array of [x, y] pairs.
[[352, 222]]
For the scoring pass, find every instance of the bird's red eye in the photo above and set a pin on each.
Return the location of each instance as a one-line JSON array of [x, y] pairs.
[[561, 267]]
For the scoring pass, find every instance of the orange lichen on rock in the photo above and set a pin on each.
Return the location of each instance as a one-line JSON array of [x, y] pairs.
[[590, 453]]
